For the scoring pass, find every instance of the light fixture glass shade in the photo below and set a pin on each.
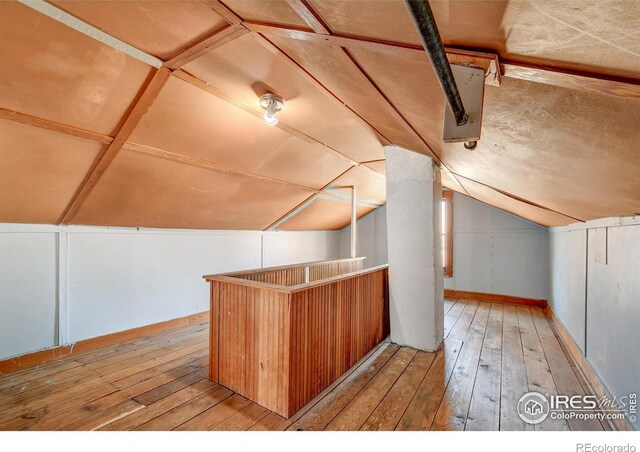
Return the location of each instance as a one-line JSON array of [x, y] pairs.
[[270, 115], [272, 104], [270, 120]]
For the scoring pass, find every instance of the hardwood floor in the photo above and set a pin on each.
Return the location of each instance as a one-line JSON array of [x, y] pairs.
[[493, 353]]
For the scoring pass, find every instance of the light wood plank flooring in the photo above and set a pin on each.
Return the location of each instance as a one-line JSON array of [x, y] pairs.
[[493, 353]]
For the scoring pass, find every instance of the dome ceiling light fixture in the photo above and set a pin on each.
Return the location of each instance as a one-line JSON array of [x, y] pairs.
[[272, 104]]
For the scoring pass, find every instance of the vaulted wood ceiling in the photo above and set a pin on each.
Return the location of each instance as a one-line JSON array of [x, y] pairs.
[[91, 135]]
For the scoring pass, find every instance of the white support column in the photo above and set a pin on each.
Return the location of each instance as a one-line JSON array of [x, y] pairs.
[[354, 222], [416, 281]]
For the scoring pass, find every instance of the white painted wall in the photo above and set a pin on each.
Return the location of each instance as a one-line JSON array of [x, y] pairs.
[[596, 295], [493, 251], [497, 252], [27, 292], [372, 238], [113, 279], [568, 251], [283, 248]]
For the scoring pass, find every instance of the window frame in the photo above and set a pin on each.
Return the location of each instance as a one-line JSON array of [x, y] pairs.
[[447, 198]]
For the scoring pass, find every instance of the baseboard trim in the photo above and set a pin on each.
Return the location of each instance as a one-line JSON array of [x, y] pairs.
[[480, 296], [55, 353], [589, 375]]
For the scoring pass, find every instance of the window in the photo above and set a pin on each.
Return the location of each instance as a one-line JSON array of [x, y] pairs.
[[447, 232]]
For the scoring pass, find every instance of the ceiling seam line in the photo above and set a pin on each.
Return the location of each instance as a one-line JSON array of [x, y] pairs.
[[520, 199], [53, 126], [193, 161]]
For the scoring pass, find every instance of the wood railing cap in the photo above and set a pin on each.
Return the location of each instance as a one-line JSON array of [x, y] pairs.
[[322, 282], [281, 267], [292, 289]]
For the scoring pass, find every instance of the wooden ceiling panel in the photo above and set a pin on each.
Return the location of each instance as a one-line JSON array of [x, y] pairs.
[[560, 148], [54, 72], [412, 87], [245, 69], [189, 121], [160, 28], [572, 151], [378, 19], [140, 190], [272, 11], [40, 171], [601, 36], [519, 208], [323, 215], [596, 36], [335, 70]]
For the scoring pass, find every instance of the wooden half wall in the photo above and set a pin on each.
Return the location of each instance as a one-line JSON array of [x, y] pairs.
[[281, 346]]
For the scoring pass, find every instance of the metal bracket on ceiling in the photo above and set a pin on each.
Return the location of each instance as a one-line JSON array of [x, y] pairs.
[[459, 126]]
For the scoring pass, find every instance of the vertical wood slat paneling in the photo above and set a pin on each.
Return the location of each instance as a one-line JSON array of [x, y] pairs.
[[283, 277], [334, 326], [251, 339], [281, 348], [214, 330], [331, 269], [294, 274]]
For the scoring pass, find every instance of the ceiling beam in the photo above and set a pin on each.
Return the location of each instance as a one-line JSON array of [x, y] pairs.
[[209, 43], [208, 164], [311, 18], [587, 82], [222, 10], [53, 126], [598, 83], [149, 94], [486, 61]]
